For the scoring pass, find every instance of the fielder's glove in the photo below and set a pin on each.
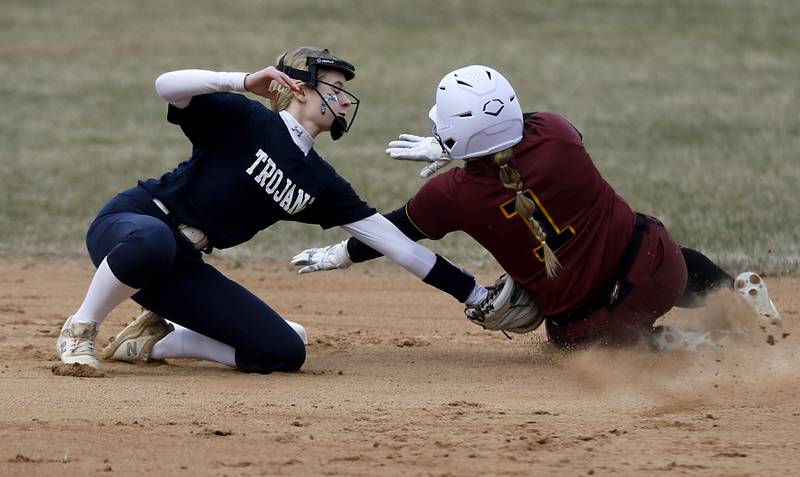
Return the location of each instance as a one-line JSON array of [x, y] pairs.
[[507, 307], [324, 258], [419, 149]]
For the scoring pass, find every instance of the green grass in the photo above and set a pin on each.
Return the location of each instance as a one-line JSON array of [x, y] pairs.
[[689, 108]]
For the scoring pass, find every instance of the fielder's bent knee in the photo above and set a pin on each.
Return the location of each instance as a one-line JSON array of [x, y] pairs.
[[157, 243], [144, 254]]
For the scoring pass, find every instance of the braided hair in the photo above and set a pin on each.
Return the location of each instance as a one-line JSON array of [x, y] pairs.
[[525, 207]]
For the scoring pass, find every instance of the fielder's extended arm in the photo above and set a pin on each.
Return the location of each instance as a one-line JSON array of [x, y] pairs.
[[379, 236], [343, 254], [358, 251]]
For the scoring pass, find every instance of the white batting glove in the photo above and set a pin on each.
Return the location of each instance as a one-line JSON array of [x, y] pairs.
[[419, 149], [331, 257]]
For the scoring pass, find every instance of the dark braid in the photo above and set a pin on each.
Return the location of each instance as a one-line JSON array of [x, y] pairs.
[[525, 207]]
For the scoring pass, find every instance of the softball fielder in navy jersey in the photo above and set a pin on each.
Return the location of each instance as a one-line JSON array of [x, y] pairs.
[[598, 271], [250, 168]]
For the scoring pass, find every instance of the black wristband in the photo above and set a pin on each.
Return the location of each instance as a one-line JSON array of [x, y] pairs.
[[450, 279], [360, 252]]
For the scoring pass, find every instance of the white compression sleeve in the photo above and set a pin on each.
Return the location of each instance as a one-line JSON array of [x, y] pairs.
[[377, 232], [178, 87]]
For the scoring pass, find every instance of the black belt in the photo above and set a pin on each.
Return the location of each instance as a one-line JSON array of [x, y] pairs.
[[614, 290]]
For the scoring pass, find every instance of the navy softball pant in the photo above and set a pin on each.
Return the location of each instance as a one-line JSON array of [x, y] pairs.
[[145, 251]]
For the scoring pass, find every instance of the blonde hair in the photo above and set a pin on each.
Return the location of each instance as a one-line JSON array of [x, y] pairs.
[[525, 207], [296, 59]]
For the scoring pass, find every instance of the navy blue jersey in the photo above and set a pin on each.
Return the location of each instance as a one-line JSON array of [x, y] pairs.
[[246, 173]]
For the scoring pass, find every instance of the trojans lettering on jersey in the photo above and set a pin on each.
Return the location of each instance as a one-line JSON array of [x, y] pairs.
[[290, 198]]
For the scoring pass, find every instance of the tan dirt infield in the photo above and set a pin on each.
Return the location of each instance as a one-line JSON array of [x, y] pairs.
[[397, 382]]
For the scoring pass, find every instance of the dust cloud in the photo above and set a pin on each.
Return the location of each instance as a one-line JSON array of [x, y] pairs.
[[758, 360]]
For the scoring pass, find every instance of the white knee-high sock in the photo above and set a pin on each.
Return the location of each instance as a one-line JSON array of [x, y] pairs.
[[105, 293], [185, 343]]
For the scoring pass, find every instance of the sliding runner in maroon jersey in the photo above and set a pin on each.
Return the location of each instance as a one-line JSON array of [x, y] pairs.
[[530, 194]]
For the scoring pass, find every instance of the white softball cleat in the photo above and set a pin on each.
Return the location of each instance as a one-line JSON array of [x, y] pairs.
[[672, 338], [753, 290], [135, 342], [75, 344], [300, 330]]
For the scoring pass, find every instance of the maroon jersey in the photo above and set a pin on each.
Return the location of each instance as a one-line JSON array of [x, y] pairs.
[[588, 225]]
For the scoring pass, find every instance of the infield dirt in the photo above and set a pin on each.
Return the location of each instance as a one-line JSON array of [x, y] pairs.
[[396, 382]]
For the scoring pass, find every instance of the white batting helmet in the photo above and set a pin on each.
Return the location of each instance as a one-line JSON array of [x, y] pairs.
[[476, 113]]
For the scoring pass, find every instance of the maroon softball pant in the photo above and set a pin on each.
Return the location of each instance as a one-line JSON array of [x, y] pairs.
[[658, 278]]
